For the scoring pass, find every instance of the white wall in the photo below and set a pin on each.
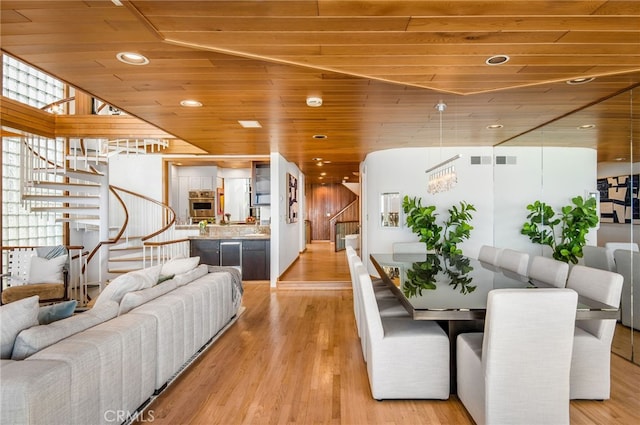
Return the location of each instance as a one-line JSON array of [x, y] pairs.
[[285, 237], [403, 170], [500, 193], [139, 173]]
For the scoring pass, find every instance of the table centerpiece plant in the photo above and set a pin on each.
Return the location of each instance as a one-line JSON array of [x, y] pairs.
[[564, 233], [423, 221]]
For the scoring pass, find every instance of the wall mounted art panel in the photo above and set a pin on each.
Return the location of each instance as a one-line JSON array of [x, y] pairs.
[[619, 199]]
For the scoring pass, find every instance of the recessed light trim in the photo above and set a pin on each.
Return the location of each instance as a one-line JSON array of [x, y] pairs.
[[494, 126], [581, 80], [190, 103], [131, 58], [586, 126], [319, 136], [316, 159], [314, 101], [497, 60], [620, 159], [250, 124]]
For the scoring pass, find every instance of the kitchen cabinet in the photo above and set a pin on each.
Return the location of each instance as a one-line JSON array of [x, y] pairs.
[[261, 182], [255, 259], [207, 249], [251, 256]]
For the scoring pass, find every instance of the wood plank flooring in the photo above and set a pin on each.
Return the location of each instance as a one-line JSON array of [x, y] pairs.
[[319, 267], [293, 357]]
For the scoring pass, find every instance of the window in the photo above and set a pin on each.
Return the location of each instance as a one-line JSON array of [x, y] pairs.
[[21, 227]]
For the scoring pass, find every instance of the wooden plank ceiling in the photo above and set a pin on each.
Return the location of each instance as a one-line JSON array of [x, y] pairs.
[[379, 66]]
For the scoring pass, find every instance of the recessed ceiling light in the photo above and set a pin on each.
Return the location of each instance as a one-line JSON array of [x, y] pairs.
[[586, 126], [316, 159], [323, 174], [327, 162], [250, 124], [131, 58], [345, 178], [319, 136], [494, 126], [621, 159], [319, 164], [582, 80], [314, 101], [497, 60], [190, 103]]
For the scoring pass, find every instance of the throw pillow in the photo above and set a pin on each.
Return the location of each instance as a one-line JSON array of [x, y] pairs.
[[132, 281], [15, 317], [58, 311], [42, 270], [177, 266], [164, 278]]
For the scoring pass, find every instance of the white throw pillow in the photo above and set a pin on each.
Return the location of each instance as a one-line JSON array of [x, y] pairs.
[[177, 266], [132, 281], [15, 317], [42, 270]]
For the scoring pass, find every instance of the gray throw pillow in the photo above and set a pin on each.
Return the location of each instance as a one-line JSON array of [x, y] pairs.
[[14, 317]]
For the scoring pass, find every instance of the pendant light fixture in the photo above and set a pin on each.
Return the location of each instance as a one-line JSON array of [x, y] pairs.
[[443, 176]]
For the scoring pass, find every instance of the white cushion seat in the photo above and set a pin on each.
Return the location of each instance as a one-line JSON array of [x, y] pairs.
[[421, 371], [517, 371]]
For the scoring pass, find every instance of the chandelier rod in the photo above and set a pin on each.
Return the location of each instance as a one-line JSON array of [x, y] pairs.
[[453, 158]]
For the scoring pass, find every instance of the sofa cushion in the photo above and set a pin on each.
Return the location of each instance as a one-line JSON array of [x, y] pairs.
[[191, 275], [178, 265], [36, 338], [15, 317], [58, 311], [134, 299], [42, 270], [132, 281]]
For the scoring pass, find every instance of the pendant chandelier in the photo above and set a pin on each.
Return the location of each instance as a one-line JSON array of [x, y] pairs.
[[442, 177]]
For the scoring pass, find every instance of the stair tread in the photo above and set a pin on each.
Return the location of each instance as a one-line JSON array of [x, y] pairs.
[[56, 208], [125, 259]]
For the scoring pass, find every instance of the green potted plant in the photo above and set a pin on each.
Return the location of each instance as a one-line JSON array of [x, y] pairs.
[[423, 221], [564, 233]]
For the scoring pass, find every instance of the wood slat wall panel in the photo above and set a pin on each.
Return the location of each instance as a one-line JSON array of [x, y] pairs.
[[21, 117], [323, 200]]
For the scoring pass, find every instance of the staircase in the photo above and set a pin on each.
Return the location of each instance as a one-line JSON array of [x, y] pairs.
[[70, 184]]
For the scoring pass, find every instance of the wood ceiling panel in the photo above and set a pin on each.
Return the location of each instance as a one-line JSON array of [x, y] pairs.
[[261, 59]]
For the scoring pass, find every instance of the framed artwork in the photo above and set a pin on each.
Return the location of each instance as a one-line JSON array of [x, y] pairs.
[[292, 197], [619, 199]]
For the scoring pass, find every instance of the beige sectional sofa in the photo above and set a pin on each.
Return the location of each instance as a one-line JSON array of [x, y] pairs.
[[101, 366]]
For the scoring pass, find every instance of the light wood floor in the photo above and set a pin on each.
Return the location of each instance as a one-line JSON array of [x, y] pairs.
[[293, 357], [319, 267]]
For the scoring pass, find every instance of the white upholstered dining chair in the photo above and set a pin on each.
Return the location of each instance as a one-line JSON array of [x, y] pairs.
[[489, 254], [406, 358], [598, 257], [409, 248], [517, 371], [628, 265], [388, 306], [591, 362], [515, 261], [549, 271]]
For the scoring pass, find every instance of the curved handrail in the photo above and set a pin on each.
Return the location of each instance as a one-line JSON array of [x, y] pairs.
[[163, 243], [100, 244], [164, 206]]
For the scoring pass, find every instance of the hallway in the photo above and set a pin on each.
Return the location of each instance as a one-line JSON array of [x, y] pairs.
[[319, 267]]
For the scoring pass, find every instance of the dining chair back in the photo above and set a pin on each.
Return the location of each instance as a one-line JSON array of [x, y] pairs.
[[517, 371], [591, 362], [598, 257], [628, 265], [409, 248], [515, 261], [548, 271], [406, 358], [631, 246], [489, 254]]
